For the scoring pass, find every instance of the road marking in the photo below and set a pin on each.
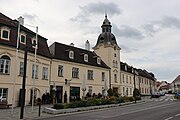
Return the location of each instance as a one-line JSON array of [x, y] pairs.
[[177, 115], [169, 118]]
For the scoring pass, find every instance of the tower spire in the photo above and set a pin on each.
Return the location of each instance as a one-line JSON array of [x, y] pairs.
[[105, 14]]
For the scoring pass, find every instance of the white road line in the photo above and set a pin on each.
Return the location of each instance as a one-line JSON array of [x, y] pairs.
[[177, 115], [168, 118]]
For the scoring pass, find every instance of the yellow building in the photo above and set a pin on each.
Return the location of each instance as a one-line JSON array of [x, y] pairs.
[[11, 62]]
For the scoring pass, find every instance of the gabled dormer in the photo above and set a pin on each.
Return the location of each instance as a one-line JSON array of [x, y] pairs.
[[5, 33], [86, 57], [71, 54], [22, 38], [98, 60]]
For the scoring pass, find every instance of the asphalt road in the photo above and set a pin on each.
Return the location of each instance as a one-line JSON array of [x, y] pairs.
[[157, 109]]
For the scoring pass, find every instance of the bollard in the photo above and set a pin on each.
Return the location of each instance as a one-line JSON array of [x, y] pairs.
[[39, 103]]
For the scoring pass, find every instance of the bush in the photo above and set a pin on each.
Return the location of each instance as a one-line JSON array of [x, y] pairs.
[[120, 100], [58, 106]]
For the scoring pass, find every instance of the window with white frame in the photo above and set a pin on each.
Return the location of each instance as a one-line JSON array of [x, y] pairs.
[[126, 91], [130, 79], [34, 43], [35, 71], [86, 58], [90, 75], [21, 68], [45, 73], [90, 90], [23, 38], [75, 72], [103, 76], [123, 77], [3, 93], [5, 33], [98, 60], [115, 78], [130, 91], [71, 54], [126, 78], [5, 64], [60, 70]]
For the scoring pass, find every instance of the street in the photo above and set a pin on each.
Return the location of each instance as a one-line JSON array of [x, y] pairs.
[[162, 108]]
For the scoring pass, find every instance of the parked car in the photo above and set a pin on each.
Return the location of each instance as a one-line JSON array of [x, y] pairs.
[[155, 95]]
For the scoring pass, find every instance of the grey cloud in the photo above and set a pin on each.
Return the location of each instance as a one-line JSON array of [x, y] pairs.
[[96, 8], [127, 32], [166, 22], [126, 49], [31, 17]]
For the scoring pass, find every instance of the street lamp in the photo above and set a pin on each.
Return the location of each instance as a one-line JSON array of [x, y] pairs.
[[134, 93]]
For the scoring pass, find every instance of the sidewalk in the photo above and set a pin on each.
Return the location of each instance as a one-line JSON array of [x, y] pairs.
[[6, 114]]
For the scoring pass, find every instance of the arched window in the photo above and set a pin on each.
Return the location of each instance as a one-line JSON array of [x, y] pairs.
[[5, 64]]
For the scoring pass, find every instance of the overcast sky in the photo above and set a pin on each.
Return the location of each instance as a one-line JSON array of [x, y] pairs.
[[148, 31]]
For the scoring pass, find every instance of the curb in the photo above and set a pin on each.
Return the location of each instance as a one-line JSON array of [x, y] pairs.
[[71, 110]]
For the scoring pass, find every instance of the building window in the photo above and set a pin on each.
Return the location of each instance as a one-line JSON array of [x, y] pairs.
[[21, 69], [114, 63], [114, 54], [127, 91], [130, 79], [45, 73], [5, 64], [23, 38], [130, 91], [90, 90], [5, 33], [34, 43], [60, 71], [99, 60], [35, 71], [71, 54], [75, 72], [86, 58], [127, 79], [115, 78], [123, 77], [103, 76], [123, 91], [90, 74], [3, 93]]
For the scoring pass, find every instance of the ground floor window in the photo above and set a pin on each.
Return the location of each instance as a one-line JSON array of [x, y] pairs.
[[3, 93], [74, 93]]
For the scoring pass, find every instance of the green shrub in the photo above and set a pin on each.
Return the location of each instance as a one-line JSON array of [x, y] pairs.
[[120, 100], [72, 105], [58, 106]]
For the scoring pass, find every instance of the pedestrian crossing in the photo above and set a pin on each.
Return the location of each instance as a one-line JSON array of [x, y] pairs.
[[164, 98]]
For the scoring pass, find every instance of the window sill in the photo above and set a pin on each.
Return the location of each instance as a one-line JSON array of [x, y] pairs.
[[60, 76], [4, 74], [44, 79]]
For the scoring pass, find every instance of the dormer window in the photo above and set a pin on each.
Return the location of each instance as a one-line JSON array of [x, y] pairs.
[[34, 44], [23, 38], [5, 33], [71, 54], [86, 58], [125, 67], [99, 60]]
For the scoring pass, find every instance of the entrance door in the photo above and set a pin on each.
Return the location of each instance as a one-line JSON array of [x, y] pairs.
[[74, 93], [57, 93]]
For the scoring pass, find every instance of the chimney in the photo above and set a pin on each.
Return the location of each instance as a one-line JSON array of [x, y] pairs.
[[87, 45], [72, 44], [21, 20]]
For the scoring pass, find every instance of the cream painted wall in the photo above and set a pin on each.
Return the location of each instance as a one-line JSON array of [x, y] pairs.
[[7, 80], [96, 83], [107, 52]]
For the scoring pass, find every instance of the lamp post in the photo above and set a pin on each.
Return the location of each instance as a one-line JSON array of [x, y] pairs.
[[23, 92], [134, 93], [84, 86]]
